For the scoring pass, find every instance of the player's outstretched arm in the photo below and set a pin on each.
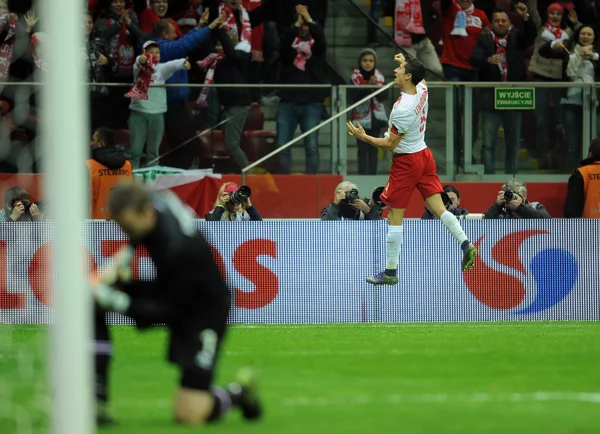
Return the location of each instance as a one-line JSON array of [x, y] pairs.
[[386, 143]]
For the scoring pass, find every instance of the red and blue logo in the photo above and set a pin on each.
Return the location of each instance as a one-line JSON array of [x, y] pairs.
[[550, 276]]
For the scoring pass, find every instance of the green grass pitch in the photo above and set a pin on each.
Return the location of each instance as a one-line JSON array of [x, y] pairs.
[[375, 378]]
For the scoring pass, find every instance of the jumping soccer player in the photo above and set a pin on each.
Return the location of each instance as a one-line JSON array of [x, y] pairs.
[[188, 294], [413, 167]]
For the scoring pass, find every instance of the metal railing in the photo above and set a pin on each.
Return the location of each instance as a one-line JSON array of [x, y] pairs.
[[380, 89], [589, 98], [339, 108]]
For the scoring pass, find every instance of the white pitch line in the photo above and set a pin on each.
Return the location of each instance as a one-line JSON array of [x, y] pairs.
[[349, 353], [477, 325], [398, 399], [475, 398]]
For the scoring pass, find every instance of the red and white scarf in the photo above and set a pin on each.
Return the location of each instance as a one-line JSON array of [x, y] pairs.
[[122, 50], [230, 25], [209, 63], [501, 45], [551, 33], [143, 80], [7, 28], [365, 112], [461, 20], [409, 21], [303, 52]]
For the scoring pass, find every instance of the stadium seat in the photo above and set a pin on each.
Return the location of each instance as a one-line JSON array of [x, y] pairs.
[[122, 138], [257, 144], [19, 134], [256, 118], [197, 113], [212, 153]]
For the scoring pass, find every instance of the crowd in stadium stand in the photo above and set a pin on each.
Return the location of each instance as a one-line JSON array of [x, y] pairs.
[[238, 42]]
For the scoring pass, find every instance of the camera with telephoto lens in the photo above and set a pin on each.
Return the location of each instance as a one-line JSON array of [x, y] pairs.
[[376, 201], [351, 195], [508, 195], [240, 195]]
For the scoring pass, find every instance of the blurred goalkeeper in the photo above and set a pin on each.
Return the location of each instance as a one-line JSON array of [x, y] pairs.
[[188, 295]]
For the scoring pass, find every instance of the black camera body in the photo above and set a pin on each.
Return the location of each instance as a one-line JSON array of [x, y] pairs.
[[240, 195], [508, 195], [27, 205], [351, 195]]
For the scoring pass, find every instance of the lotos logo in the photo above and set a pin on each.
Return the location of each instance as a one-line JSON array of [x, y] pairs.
[[554, 272]]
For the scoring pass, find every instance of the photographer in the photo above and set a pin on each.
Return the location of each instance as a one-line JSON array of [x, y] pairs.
[[347, 205], [451, 199], [512, 203], [233, 204], [17, 207]]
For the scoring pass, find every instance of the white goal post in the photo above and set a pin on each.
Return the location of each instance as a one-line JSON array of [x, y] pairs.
[[65, 146]]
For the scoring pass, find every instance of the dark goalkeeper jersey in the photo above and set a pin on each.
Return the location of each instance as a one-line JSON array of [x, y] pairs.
[[188, 282]]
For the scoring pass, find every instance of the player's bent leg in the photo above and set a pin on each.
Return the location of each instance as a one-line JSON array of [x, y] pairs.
[[197, 403], [437, 208], [395, 237], [194, 406]]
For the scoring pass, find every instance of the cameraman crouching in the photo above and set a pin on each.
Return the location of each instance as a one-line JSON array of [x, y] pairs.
[[346, 205], [233, 204], [451, 199], [18, 208], [512, 203]]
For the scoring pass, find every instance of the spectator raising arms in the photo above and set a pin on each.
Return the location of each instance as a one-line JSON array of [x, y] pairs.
[[580, 65], [499, 56], [100, 69], [303, 50], [149, 104], [548, 70], [410, 32], [231, 65], [179, 125], [157, 10], [117, 28], [371, 114], [462, 25]]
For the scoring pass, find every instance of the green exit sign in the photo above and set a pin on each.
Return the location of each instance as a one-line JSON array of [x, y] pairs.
[[511, 98]]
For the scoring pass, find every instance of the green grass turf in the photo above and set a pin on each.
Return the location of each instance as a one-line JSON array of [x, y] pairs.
[[391, 378]]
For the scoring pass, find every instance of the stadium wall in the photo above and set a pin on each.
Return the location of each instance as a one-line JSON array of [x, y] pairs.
[[298, 272], [304, 196]]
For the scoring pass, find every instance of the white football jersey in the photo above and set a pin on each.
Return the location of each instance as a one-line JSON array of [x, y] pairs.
[[409, 119]]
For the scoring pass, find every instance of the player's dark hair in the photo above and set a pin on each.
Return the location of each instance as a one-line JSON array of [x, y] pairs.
[[416, 68], [452, 189], [595, 148], [14, 194], [107, 136], [128, 195], [160, 27]]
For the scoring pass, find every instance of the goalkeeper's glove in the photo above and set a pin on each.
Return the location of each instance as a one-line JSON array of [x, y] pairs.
[[119, 269], [109, 298]]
